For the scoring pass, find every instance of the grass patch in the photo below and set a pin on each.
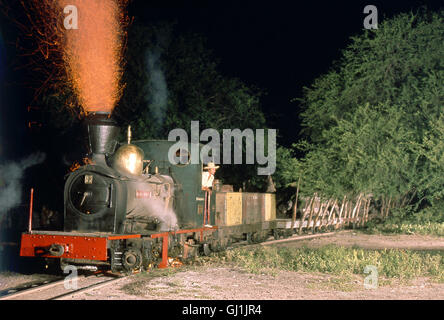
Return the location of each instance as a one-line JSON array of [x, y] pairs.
[[139, 285], [337, 283], [390, 263], [429, 228]]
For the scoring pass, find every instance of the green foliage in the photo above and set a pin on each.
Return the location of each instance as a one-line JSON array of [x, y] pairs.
[[421, 227], [432, 150], [287, 166], [375, 121]]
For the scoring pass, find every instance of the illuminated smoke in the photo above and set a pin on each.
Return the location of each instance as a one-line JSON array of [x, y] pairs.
[[93, 52], [88, 60], [156, 207], [11, 175], [166, 217], [159, 92]]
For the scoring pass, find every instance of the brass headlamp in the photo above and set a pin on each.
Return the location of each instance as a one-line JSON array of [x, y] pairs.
[[129, 158]]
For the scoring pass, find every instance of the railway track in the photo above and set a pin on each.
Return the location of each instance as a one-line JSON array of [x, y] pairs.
[[294, 237], [26, 286], [304, 237], [60, 289]]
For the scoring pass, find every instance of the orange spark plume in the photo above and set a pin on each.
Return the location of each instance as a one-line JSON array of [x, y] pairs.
[[93, 53], [88, 59]]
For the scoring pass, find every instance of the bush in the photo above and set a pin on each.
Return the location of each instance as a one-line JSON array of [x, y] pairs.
[[430, 228]]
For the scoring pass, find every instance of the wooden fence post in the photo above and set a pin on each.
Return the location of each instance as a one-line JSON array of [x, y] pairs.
[[382, 214], [331, 215], [338, 223], [293, 218], [304, 215], [388, 208], [311, 211], [323, 214]]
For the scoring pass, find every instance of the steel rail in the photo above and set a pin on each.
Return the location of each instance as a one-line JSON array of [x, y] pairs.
[[22, 294]]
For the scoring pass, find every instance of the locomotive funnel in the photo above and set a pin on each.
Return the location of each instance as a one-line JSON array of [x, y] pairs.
[[102, 132]]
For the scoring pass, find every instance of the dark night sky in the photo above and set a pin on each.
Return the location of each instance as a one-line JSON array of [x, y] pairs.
[[278, 46], [274, 46]]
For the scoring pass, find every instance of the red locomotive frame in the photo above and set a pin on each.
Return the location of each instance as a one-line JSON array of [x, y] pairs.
[[89, 246], [83, 246]]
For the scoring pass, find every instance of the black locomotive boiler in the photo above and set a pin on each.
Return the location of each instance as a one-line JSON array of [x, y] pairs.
[[131, 208], [113, 192]]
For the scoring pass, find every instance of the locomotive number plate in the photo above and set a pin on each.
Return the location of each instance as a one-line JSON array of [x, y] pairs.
[[140, 194], [88, 179]]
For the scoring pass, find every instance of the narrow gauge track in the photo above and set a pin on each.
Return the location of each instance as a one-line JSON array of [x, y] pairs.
[[55, 289], [294, 237], [27, 286], [61, 288]]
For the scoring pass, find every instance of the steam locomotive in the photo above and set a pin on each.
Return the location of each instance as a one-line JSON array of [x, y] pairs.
[[131, 208]]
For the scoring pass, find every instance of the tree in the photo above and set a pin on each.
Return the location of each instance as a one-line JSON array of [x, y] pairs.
[[372, 122]]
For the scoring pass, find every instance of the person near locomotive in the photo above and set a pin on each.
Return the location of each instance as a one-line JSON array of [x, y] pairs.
[[207, 186]]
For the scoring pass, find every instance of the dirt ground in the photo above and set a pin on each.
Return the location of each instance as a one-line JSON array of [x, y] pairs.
[[370, 241], [232, 283]]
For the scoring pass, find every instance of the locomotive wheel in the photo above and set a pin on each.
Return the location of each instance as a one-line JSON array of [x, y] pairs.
[[250, 238], [263, 236], [131, 260], [276, 234]]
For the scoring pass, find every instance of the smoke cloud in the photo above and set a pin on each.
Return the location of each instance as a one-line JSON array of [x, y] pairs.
[[159, 90], [11, 175], [166, 216], [160, 208]]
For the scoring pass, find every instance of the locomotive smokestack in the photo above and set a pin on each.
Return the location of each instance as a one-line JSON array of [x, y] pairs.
[[102, 132]]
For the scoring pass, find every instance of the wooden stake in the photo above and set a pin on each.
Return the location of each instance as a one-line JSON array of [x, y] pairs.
[[360, 212], [387, 210], [350, 208], [293, 218], [311, 211], [389, 207], [367, 208], [382, 207], [304, 214], [358, 203], [315, 218], [331, 215], [323, 213], [338, 224]]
